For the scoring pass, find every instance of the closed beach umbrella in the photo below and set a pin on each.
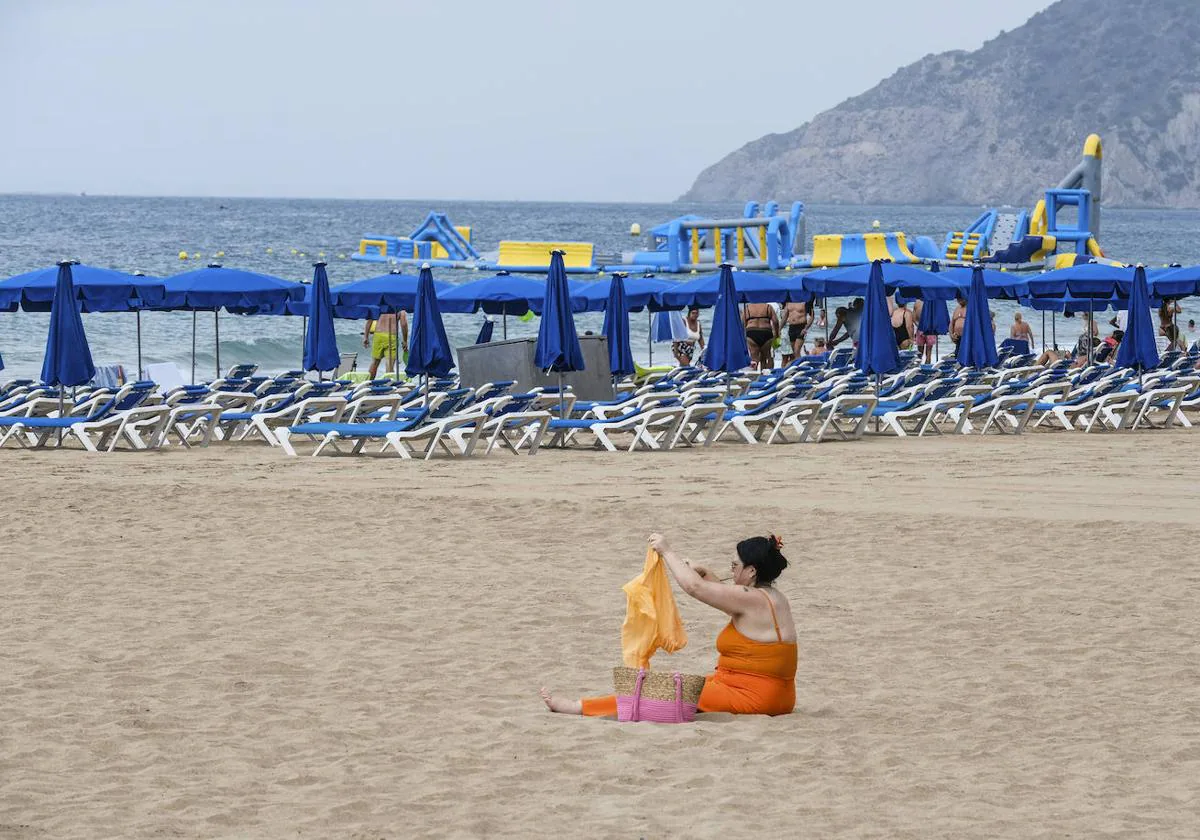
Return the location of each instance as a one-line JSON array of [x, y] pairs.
[[877, 352], [68, 360], [726, 349], [485, 331], [320, 341], [429, 349], [616, 329], [557, 346], [977, 348], [935, 318], [1138, 349]]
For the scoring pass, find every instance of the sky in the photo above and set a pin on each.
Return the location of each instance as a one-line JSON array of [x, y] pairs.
[[532, 100]]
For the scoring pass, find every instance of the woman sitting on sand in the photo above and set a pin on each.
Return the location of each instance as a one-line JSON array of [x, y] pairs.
[[756, 662]]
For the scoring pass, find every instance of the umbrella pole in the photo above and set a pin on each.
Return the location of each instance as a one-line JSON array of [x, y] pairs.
[[139, 337], [1043, 330], [1089, 329], [649, 337], [506, 325], [217, 337], [193, 346], [396, 347], [1054, 329], [304, 339], [60, 412], [562, 405]]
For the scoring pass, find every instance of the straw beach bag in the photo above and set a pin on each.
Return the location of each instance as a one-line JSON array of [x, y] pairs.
[[656, 696]]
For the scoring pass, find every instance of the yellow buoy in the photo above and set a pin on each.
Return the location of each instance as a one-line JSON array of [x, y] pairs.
[[294, 251], [269, 251], [302, 254], [875, 224], [196, 255], [321, 254], [341, 256], [635, 229], [183, 255], [220, 253]]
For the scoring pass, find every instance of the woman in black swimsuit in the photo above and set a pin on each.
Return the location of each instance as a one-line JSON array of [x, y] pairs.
[[902, 324], [762, 326]]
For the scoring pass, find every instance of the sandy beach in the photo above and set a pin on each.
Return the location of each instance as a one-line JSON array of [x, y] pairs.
[[998, 639]]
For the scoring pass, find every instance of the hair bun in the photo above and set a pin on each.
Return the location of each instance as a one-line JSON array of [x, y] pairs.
[[776, 542]]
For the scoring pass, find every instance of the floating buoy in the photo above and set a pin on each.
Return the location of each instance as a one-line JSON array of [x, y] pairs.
[[196, 255], [294, 251], [183, 255], [635, 229], [220, 253], [875, 224], [301, 254], [321, 254], [341, 256], [269, 251]]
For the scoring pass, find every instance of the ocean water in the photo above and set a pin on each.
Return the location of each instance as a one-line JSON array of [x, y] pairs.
[[147, 234]]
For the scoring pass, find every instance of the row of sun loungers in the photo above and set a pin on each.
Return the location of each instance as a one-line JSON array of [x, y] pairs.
[[810, 401]]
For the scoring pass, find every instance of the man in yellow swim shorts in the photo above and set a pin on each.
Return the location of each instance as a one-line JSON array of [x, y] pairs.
[[380, 336]]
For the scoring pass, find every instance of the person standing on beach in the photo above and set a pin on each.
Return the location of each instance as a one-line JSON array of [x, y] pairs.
[[761, 322], [957, 319], [1021, 330], [797, 317], [380, 336], [849, 318]]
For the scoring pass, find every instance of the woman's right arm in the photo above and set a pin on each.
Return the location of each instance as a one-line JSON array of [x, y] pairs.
[[733, 600]]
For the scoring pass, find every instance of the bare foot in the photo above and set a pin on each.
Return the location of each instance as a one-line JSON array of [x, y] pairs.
[[557, 704]]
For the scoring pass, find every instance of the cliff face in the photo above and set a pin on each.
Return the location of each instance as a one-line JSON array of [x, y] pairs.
[[1004, 122]]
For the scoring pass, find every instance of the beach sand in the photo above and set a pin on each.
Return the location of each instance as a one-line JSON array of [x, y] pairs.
[[998, 638]]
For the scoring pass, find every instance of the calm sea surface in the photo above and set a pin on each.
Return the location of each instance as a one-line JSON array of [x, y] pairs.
[[147, 234]]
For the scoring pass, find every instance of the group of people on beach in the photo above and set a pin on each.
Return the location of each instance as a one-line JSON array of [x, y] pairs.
[[765, 324]]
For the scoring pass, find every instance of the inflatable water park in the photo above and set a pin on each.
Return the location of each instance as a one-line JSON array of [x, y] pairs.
[[1062, 228]]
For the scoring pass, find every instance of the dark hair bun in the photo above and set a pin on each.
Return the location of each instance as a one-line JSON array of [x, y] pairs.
[[764, 555]]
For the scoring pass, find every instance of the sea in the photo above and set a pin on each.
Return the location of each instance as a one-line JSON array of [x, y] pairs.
[[283, 237]]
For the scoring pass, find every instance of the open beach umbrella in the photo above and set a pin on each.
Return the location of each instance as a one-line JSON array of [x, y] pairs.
[[504, 294], [750, 287], [977, 347], [726, 349], [877, 351], [996, 284], [1138, 349], [557, 347], [320, 341], [215, 287], [429, 349], [852, 281], [640, 292], [1177, 282], [616, 329], [97, 289]]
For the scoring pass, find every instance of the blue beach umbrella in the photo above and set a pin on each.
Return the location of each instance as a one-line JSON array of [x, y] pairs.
[[68, 360], [935, 318], [726, 349], [616, 329], [503, 294], [640, 293], [852, 281], [320, 341], [977, 347], [387, 292], [215, 287], [749, 287], [877, 351], [485, 331], [97, 289], [429, 349], [557, 347], [1138, 349]]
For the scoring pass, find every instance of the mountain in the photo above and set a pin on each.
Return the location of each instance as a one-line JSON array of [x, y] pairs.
[[1004, 122]]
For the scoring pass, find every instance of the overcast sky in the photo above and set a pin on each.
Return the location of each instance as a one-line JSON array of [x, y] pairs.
[[602, 100]]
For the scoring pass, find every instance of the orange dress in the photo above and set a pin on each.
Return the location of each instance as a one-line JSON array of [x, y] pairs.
[[752, 678]]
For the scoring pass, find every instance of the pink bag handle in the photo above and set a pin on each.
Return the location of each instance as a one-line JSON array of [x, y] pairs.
[[637, 696], [678, 698]]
